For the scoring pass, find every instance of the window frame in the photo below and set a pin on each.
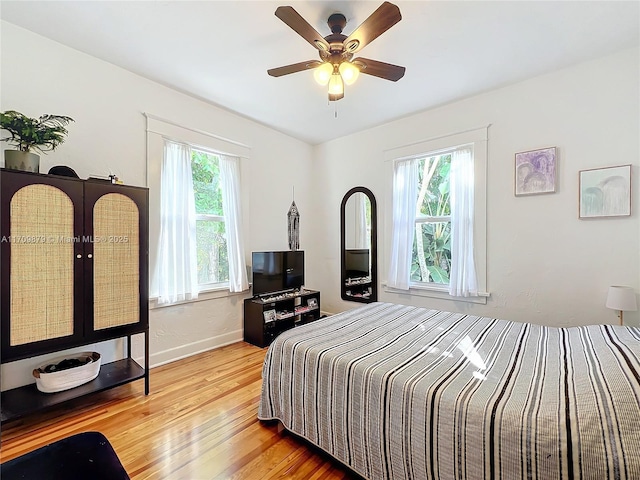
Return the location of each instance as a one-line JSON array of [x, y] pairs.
[[423, 219], [209, 286], [477, 138]]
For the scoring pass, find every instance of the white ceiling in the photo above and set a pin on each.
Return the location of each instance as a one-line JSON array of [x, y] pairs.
[[219, 51]]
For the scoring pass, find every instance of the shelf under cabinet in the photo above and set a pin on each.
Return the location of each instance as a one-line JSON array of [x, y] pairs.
[[22, 401]]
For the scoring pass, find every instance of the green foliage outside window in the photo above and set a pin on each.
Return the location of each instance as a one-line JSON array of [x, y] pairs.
[[211, 242], [431, 257], [206, 183]]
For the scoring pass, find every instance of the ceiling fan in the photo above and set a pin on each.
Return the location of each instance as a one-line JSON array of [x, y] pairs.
[[337, 65]]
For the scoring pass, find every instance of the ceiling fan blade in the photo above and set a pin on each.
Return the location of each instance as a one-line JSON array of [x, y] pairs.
[[385, 17], [379, 69], [292, 18], [293, 68]]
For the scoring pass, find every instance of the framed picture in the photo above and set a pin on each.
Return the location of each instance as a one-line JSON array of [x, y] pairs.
[[535, 172], [605, 192], [269, 316], [312, 302]]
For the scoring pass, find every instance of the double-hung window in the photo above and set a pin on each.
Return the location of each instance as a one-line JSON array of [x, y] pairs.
[[431, 252], [196, 230], [437, 237], [211, 243]]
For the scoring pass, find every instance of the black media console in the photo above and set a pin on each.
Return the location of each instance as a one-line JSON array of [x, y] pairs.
[[269, 315]]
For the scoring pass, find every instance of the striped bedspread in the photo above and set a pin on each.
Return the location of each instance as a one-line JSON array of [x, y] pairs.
[[398, 392]]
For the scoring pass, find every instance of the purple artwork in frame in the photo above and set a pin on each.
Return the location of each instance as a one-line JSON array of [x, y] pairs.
[[536, 172]]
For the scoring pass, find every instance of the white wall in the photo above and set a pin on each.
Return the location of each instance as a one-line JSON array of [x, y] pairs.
[[108, 135], [544, 264]]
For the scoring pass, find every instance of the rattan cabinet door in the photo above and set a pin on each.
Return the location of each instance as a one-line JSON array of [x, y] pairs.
[[41, 223], [116, 268], [116, 262]]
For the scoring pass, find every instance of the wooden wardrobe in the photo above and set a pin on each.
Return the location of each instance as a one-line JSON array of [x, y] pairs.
[[74, 271]]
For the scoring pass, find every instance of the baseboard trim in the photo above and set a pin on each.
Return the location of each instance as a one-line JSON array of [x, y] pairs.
[[188, 350]]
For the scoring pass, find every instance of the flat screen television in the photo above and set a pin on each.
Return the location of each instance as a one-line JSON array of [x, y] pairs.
[[277, 271], [356, 262]]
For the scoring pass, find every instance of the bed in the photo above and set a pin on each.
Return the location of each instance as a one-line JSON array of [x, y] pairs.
[[399, 392]]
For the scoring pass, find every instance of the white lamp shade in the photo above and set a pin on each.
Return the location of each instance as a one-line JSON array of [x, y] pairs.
[[322, 73], [349, 72], [336, 87], [622, 298]]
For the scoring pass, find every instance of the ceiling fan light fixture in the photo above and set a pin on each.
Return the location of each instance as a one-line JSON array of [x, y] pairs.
[[336, 85], [349, 72], [337, 66], [322, 73]]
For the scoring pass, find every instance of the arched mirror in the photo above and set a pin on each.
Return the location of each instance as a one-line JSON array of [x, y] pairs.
[[359, 246]]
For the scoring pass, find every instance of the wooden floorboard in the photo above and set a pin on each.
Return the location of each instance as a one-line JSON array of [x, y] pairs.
[[199, 422]]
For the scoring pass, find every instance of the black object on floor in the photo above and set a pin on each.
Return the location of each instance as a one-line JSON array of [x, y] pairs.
[[85, 456]]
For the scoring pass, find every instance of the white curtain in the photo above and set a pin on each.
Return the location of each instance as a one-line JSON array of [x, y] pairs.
[[362, 235], [462, 280], [176, 269], [405, 192], [230, 181]]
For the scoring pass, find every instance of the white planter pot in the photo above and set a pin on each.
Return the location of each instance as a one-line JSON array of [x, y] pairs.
[[25, 161]]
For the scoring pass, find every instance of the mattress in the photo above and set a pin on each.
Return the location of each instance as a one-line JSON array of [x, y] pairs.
[[399, 392]]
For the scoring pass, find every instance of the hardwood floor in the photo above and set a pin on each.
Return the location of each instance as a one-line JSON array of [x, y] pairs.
[[198, 422]]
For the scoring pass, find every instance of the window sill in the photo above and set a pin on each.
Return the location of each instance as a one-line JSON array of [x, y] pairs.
[[211, 293], [436, 291]]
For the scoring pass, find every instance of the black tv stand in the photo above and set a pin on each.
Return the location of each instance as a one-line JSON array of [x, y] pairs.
[[267, 316]]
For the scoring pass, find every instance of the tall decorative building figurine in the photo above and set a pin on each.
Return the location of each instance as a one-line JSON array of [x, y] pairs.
[[294, 227]]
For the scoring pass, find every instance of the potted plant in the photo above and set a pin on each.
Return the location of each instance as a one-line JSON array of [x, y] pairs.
[[28, 134]]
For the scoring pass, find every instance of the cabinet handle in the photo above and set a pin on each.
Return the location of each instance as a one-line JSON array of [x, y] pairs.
[[78, 256], [89, 256]]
